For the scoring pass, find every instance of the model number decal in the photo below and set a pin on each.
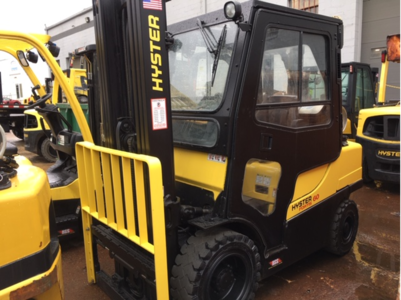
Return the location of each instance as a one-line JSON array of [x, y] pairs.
[[304, 203]]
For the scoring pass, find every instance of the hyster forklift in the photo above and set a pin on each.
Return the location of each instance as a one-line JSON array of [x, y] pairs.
[[30, 256], [378, 129], [37, 133], [359, 84], [211, 163], [216, 163], [62, 176]]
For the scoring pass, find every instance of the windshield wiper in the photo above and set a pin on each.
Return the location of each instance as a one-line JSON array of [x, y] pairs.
[[220, 44], [211, 47]]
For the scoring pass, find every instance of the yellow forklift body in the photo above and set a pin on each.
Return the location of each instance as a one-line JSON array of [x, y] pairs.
[[70, 191], [22, 160], [364, 114], [27, 213], [29, 189], [318, 184], [46, 286], [207, 171]]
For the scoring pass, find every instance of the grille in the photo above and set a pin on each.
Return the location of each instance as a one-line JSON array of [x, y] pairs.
[[383, 127]]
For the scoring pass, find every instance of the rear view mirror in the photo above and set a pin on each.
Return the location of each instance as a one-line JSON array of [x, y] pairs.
[[54, 50], [32, 57]]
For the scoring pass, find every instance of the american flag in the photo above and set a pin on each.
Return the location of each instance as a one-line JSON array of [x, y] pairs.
[[152, 4]]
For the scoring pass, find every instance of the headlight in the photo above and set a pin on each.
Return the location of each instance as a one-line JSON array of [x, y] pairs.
[[232, 10]]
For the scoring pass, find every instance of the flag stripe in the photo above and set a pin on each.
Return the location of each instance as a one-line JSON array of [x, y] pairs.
[[152, 4]]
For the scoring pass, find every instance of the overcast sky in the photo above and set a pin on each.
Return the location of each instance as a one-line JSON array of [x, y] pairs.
[[30, 16]]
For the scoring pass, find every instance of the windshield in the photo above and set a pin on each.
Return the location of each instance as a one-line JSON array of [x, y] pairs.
[[193, 64]]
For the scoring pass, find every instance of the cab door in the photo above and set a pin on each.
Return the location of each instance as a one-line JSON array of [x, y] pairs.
[[363, 95], [288, 116]]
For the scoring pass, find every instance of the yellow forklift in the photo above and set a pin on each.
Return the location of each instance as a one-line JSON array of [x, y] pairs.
[[30, 256], [30, 259], [378, 129], [62, 175], [216, 163]]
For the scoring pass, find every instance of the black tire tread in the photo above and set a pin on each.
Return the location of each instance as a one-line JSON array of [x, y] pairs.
[[192, 261], [334, 246], [44, 150]]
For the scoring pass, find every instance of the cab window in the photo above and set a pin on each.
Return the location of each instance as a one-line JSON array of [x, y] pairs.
[[293, 84], [199, 63], [364, 90]]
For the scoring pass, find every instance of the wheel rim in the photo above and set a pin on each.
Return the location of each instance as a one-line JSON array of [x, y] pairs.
[[229, 278], [348, 228]]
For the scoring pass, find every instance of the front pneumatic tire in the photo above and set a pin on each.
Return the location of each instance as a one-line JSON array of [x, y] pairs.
[[344, 228], [47, 151], [217, 264]]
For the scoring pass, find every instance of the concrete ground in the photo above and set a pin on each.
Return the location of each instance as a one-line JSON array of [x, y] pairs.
[[371, 271]]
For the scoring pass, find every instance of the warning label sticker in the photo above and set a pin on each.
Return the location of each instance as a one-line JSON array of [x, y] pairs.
[[217, 158], [159, 113]]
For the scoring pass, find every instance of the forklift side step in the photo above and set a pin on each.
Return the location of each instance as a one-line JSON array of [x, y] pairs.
[[131, 254]]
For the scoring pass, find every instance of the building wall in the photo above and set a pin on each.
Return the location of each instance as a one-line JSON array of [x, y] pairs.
[[71, 34], [12, 74], [189, 9], [348, 11], [366, 25], [380, 19]]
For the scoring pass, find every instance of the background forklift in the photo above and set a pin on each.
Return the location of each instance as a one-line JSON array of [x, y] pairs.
[[378, 129], [62, 175], [30, 256], [359, 91], [37, 137]]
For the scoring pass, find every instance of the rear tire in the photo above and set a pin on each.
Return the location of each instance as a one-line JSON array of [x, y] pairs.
[[47, 151], [217, 264], [344, 228]]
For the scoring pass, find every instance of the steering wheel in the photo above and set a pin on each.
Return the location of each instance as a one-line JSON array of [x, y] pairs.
[[41, 101], [3, 142]]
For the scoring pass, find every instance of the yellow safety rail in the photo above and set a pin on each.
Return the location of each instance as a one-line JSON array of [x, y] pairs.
[[110, 182]]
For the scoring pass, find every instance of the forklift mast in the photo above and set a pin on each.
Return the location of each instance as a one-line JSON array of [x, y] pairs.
[[134, 85]]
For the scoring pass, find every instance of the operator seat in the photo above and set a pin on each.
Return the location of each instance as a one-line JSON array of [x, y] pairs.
[[63, 140]]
